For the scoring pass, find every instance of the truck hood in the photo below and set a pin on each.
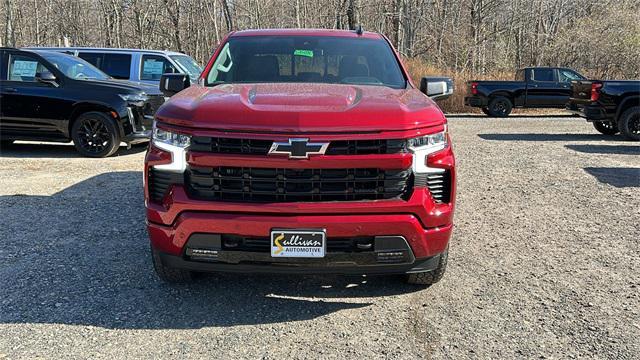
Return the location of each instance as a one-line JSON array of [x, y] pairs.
[[301, 108], [125, 85]]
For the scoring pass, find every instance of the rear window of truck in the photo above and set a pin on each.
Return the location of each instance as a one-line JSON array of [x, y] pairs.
[[304, 59]]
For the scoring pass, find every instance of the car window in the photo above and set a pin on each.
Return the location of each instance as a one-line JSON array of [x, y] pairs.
[[568, 76], [189, 65], [306, 59], [74, 67], [542, 74], [117, 66], [94, 59], [24, 68], [153, 66]]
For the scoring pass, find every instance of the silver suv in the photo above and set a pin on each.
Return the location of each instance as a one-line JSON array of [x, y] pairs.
[[134, 64]]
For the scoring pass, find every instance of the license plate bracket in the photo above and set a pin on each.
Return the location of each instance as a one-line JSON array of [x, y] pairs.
[[298, 243]]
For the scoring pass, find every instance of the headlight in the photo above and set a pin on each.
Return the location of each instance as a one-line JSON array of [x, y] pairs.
[[423, 146], [173, 143], [434, 142], [137, 99], [170, 138]]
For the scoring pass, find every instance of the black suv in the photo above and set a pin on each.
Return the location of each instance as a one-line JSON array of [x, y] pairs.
[[49, 96]]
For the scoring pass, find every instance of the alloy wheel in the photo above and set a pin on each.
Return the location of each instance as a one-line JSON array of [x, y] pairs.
[[93, 135], [500, 107]]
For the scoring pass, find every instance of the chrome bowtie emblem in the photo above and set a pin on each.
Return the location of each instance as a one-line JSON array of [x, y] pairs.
[[298, 148]]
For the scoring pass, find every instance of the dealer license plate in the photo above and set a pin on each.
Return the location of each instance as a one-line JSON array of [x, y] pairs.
[[298, 243]]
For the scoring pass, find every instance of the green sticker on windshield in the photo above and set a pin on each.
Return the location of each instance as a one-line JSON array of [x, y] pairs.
[[307, 53]]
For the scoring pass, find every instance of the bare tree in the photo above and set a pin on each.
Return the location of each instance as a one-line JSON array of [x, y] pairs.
[[473, 37]]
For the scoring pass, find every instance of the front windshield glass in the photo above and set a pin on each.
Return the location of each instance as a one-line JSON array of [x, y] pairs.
[[74, 67], [305, 59], [190, 66]]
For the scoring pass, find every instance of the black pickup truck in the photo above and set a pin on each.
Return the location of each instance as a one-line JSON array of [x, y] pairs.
[[535, 87], [612, 105]]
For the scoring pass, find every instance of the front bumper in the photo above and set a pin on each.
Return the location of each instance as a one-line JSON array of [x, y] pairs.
[[425, 225], [326, 267], [137, 137], [138, 124], [423, 242]]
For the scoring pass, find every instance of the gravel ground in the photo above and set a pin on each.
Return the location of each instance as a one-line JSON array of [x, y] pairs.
[[544, 263]]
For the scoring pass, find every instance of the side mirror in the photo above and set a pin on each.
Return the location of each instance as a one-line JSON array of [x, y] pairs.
[[171, 84], [437, 88], [46, 77]]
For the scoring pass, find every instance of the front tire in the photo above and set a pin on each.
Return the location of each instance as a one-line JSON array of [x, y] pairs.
[[169, 274], [629, 123], [95, 135], [606, 127], [430, 277], [500, 106]]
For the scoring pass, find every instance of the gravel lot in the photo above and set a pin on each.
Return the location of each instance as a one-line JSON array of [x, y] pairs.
[[544, 263]]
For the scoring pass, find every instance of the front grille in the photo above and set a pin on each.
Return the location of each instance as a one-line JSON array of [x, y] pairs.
[[366, 147], [290, 185], [439, 185], [152, 104], [160, 181], [222, 145], [230, 146], [349, 244]]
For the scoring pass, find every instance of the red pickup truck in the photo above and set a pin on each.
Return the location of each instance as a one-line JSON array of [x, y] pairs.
[[301, 151]]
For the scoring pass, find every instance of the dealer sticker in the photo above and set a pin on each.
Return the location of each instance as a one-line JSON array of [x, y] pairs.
[[298, 243]]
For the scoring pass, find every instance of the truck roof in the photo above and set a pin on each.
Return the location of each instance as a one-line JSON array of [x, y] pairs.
[[545, 67], [306, 32], [103, 49]]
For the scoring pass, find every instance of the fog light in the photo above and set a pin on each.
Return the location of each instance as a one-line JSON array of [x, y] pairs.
[[202, 254], [391, 256]]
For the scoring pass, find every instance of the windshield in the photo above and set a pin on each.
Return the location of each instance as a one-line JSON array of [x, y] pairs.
[[188, 65], [74, 67], [305, 59]]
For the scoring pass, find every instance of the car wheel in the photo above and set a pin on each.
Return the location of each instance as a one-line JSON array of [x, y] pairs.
[[629, 123], [169, 274], [486, 111], [500, 106], [606, 127], [430, 277], [94, 134]]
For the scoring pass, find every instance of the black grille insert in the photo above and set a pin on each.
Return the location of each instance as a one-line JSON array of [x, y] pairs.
[[221, 145], [350, 244], [439, 185], [230, 146], [152, 104], [291, 185], [160, 181], [366, 147]]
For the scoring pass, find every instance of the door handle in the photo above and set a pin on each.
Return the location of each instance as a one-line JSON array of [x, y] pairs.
[[10, 89]]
